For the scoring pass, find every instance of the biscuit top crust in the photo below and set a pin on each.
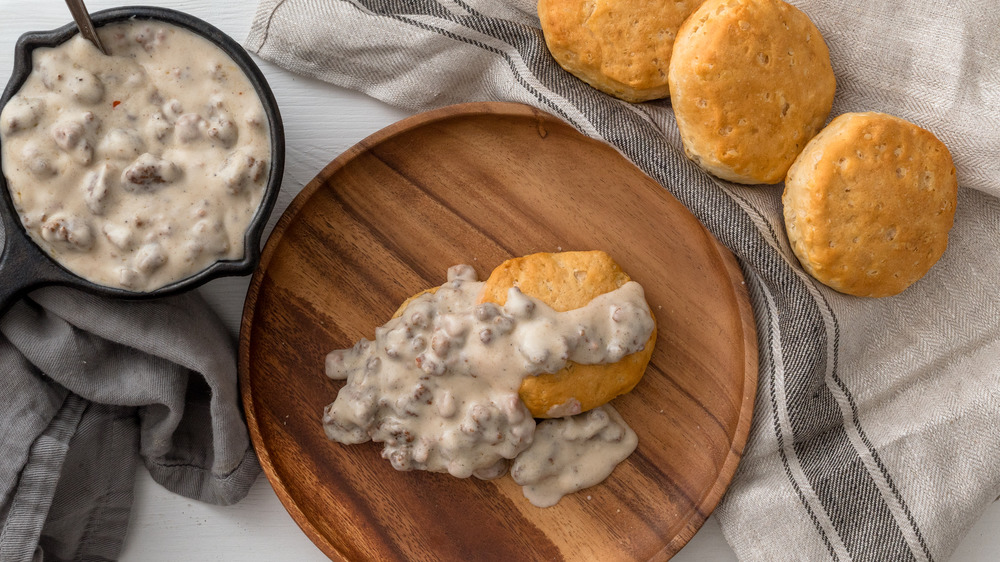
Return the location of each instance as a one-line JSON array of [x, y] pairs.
[[563, 280], [566, 281], [869, 203], [750, 84], [621, 47]]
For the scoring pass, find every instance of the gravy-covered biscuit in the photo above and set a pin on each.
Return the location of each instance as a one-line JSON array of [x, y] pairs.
[[566, 281], [869, 202], [750, 84], [621, 47]]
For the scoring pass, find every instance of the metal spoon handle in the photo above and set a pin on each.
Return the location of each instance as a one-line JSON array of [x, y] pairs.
[[82, 18]]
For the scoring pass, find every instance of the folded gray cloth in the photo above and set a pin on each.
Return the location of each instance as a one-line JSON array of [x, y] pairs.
[[90, 386], [876, 433]]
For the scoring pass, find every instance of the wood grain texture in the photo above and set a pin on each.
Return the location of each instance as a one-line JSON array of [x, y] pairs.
[[478, 184]]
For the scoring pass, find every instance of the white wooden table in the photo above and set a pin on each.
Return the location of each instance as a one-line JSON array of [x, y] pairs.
[[321, 121]]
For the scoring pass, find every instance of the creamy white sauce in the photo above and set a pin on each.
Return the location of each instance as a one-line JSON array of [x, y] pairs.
[[439, 384], [561, 457], [141, 168]]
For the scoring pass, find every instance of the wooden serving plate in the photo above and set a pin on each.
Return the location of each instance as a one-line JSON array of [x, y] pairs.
[[478, 184]]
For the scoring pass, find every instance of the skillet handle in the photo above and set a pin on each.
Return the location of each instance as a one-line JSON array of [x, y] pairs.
[[23, 267]]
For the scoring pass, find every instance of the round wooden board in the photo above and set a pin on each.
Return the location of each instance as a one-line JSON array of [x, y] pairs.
[[478, 184]]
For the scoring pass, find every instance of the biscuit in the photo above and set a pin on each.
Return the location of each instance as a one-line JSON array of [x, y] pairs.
[[621, 47], [869, 202], [750, 84], [565, 281]]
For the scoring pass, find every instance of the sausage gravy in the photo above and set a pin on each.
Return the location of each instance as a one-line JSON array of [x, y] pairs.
[[141, 168], [439, 386], [560, 458]]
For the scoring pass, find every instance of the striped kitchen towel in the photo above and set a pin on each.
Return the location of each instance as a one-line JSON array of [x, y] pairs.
[[876, 433]]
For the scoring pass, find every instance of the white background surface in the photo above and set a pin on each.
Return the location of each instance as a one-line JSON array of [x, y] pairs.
[[321, 121]]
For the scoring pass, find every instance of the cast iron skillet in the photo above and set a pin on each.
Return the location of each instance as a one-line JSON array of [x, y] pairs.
[[25, 266]]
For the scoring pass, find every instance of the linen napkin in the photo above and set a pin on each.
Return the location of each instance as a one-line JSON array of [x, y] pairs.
[[876, 433], [90, 386]]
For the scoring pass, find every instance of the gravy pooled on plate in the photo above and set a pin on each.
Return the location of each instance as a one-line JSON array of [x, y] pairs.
[[439, 386], [141, 168]]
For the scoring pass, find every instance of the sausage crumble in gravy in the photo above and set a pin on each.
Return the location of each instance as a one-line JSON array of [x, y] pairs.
[[141, 168], [439, 386]]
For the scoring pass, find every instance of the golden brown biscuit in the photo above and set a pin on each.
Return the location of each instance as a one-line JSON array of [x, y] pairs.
[[750, 84], [565, 281], [621, 47], [869, 203]]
